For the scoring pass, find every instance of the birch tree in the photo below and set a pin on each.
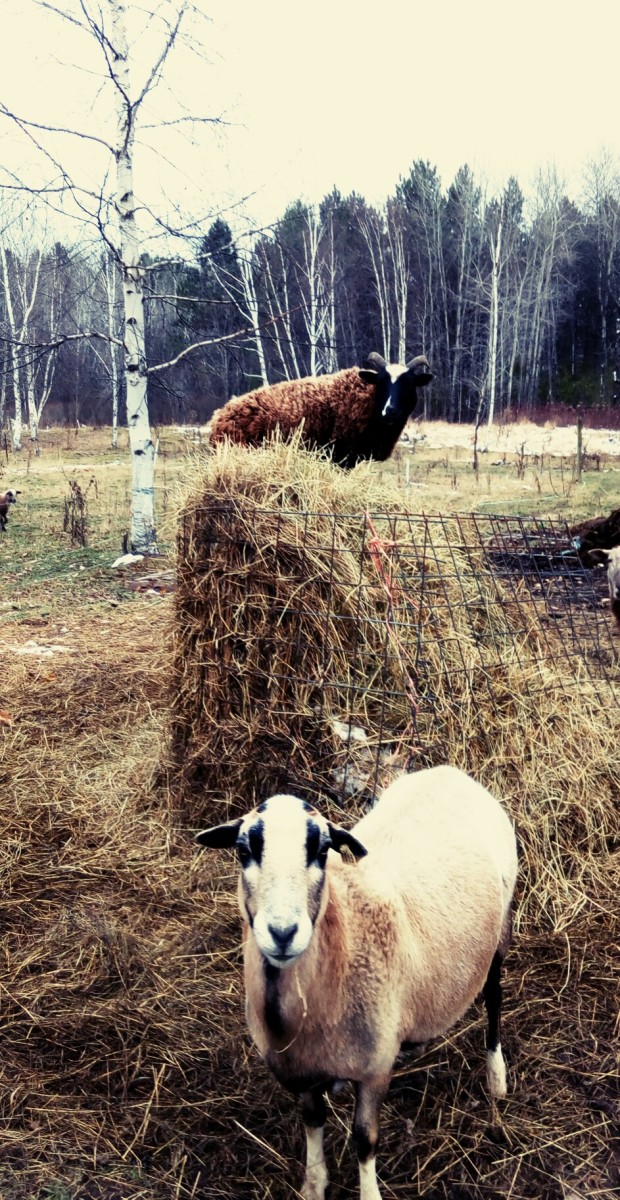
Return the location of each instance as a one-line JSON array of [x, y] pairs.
[[372, 225], [496, 230], [113, 208], [29, 277], [398, 257], [602, 183], [110, 275]]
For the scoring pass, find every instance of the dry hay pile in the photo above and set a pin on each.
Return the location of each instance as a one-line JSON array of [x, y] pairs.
[[280, 639], [126, 1071]]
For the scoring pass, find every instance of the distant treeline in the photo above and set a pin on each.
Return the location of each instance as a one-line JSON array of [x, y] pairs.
[[515, 302]]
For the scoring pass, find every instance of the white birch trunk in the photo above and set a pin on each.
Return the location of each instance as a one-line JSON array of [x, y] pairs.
[[516, 333], [110, 273], [274, 310], [13, 370], [496, 251], [287, 320], [315, 296], [401, 285], [3, 380], [372, 233], [31, 402], [143, 536], [312, 246], [331, 354], [251, 300]]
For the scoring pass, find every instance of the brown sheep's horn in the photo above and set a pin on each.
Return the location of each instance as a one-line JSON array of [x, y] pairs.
[[421, 369], [376, 362]]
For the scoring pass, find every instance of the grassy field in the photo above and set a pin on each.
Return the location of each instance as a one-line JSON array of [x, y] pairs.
[[39, 564], [113, 931]]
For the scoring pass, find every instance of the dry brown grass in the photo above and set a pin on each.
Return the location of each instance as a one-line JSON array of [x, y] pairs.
[[126, 1069]]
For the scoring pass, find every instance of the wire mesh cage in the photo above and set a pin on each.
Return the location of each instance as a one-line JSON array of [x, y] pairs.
[[322, 650]]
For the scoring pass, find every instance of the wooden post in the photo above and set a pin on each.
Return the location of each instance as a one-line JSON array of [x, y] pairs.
[[579, 445]]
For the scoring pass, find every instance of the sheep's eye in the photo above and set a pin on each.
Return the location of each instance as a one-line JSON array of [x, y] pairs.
[[256, 844], [321, 857], [243, 854]]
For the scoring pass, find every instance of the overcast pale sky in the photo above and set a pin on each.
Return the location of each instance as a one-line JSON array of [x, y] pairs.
[[340, 92]]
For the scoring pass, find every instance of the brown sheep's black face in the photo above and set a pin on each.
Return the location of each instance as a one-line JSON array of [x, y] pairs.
[[396, 386]]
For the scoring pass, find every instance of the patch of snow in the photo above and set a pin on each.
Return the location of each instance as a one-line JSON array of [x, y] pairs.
[[348, 733], [127, 560]]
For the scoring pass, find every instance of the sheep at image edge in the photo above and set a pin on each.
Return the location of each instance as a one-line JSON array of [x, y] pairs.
[[356, 414], [344, 962], [6, 499]]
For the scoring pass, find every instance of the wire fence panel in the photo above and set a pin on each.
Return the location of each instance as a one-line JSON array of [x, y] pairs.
[[333, 646]]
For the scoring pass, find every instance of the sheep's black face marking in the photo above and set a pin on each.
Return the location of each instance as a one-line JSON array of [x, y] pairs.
[[256, 840], [250, 845], [317, 846], [396, 387], [397, 396]]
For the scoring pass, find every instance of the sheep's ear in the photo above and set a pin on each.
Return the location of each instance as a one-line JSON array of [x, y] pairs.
[[598, 555], [220, 837], [341, 837], [368, 375]]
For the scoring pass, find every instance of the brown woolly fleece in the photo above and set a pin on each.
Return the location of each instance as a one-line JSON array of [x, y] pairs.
[[333, 408]]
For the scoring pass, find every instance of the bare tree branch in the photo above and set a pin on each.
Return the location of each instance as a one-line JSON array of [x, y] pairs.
[[167, 47], [227, 337], [61, 340], [23, 121]]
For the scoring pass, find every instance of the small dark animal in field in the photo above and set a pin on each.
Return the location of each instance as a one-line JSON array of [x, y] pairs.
[[596, 533], [355, 414], [6, 499], [345, 963], [611, 559]]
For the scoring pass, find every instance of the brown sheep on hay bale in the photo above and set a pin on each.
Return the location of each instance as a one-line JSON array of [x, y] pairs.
[[356, 414]]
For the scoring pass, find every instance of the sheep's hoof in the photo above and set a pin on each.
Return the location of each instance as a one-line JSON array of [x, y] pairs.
[[496, 1073], [315, 1182]]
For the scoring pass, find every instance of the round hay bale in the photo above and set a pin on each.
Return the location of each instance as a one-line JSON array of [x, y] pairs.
[[280, 639]]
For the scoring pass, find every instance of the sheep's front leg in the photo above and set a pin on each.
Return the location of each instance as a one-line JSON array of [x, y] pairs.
[[314, 1111], [369, 1098]]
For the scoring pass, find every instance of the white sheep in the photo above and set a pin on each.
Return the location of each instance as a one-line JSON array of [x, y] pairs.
[[356, 414], [6, 499], [344, 963]]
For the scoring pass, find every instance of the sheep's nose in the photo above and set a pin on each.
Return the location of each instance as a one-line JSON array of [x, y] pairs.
[[282, 937]]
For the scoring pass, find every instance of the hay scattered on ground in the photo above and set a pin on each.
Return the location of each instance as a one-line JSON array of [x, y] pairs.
[[126, 1069]]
